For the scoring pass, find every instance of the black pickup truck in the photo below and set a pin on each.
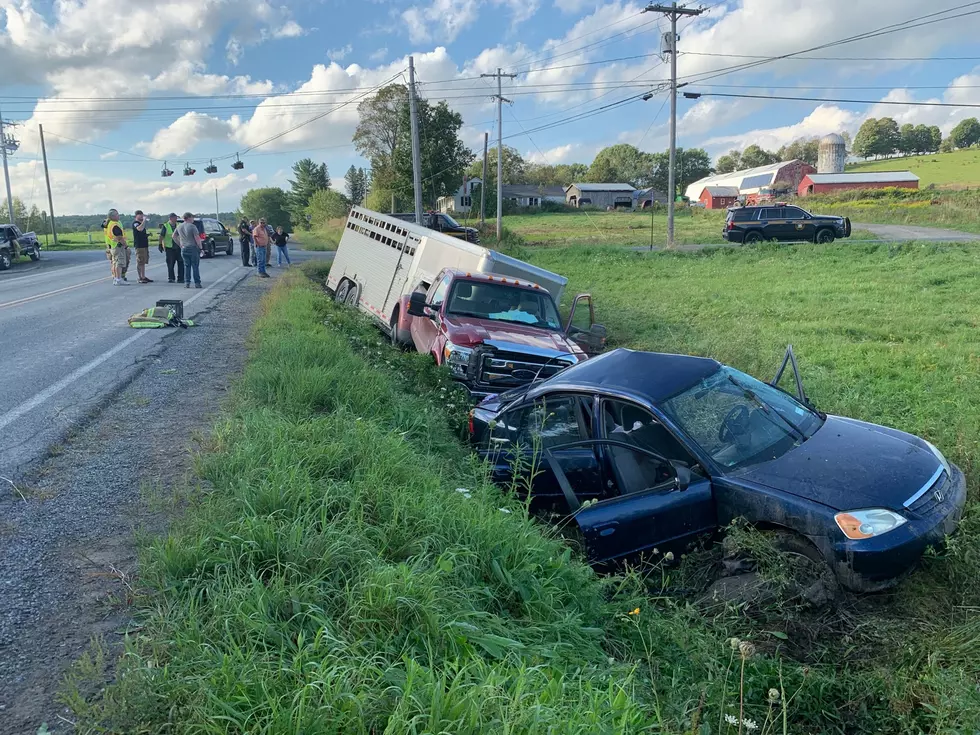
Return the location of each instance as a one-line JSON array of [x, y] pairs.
[[13, 242], [443, 223]]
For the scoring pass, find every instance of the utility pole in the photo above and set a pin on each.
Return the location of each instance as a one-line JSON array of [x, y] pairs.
[[672, 11], [500, 149], [7, 145], [483, 184], [416, 153], [47, 180]]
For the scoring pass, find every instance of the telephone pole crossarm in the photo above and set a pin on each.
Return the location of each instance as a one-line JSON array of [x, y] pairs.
[[673, 12]]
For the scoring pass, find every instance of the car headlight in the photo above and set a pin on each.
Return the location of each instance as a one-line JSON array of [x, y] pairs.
[[457, 358], [862, 524], [942, 459]]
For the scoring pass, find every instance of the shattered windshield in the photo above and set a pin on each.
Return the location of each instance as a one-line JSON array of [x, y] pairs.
[[504, 303], [739, 421]]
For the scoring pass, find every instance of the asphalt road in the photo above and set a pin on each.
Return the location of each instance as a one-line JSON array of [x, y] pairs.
[[65, 345]]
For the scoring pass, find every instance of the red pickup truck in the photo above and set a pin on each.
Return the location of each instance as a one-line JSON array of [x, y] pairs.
[[495, 333]]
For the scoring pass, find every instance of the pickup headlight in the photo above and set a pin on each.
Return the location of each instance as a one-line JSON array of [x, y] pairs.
[[942, 459], [457, 358], [862, 524]]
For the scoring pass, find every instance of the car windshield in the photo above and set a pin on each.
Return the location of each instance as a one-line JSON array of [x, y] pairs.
[[504, 303], [740, 421], [450, 221]]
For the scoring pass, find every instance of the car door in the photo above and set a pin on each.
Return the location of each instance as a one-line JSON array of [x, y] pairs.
[[425, 330], [799, 225], [658, 495], [520, 438], [773, 224]]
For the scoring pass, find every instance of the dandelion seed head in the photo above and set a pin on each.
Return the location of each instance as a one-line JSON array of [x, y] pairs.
[[746, 649], [734, 643], [774, 695]]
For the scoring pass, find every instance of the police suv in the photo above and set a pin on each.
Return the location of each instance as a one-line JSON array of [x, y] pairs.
[[782, 222]]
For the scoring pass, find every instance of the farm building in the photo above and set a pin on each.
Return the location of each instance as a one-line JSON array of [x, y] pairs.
[[718, 197], [645, 198], [532, 196], [462, 200], [603, 196], [776, 178], [823, 183]]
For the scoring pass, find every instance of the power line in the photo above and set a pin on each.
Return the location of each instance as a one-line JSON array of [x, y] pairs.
[[576, 38], [696, 95], [836, 58]]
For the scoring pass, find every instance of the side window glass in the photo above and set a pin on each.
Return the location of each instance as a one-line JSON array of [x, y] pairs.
[[440, 293], [634, 471], [556, 420], [793, 213]]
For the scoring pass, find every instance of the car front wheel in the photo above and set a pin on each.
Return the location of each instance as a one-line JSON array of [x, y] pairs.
[[5, 260], [35, 253], [825, 237]]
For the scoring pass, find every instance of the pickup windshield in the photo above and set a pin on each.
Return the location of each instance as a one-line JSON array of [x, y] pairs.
[[740, 421], [503, 303]]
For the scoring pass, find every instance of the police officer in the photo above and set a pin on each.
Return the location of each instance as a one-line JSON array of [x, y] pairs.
[[115, 242], [172, 249]]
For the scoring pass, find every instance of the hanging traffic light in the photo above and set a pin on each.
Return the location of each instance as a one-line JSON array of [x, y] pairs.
[[211, 168], [188, 171], [166, 171], [238, 165]]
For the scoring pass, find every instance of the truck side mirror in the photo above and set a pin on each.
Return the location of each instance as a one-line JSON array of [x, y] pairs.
[[416, 304]]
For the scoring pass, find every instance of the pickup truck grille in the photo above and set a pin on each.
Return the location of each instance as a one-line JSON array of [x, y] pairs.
[[501, 371]]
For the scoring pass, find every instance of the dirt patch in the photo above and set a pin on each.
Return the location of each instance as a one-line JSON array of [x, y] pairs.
[[68, 555]]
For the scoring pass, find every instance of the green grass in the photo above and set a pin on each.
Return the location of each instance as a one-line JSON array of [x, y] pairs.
[[616, 228], [957, 210], [332, 579], [74, 241], [956, 170], [325, 237]]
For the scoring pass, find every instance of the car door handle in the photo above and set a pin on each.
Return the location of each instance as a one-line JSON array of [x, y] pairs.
[[608, 529]]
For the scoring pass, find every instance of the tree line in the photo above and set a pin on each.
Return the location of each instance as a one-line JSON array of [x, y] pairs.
[[801, 149]]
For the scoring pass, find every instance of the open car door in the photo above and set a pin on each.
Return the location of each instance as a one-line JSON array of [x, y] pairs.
[[789, 360], [581, 327]]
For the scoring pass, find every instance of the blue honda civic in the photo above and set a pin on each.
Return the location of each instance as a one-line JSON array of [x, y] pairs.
[[650, 450]]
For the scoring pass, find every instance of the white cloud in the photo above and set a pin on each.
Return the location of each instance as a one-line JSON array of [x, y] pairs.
[[553, 156], [443, 19], [573, 7], [290, 29], [108, 155], [824, 119], [378, 55], [186, 132], [339, 54]]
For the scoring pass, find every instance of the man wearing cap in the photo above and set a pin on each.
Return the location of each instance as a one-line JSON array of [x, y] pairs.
[[141, 242], [115, 242], [171, 248]]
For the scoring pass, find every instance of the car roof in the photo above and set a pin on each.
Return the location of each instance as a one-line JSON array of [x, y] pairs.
[[655, 376]]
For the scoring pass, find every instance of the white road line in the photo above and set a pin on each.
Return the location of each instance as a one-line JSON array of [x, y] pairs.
[[31, 403]]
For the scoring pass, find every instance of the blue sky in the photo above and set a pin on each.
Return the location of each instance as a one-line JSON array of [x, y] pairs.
[[192, 80]]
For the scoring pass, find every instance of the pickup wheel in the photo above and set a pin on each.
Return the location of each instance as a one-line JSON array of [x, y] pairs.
[[35, 253], [341, 295], [5, 260], [393, 325], [752, 237], [825, 237]]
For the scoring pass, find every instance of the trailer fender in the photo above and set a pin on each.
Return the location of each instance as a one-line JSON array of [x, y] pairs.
[[403, 325]]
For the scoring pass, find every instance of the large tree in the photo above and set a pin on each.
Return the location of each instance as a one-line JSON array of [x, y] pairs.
[[356, 180], [309, 177], [379, 133], [20, 213], [271, 203], [802, 149], [729, 162], [754, 156], [514, 165], [966, 133], [935, 139], [906, 140], [622, 163], [866, 142], [562, 174], [325, 205], [692, 164]]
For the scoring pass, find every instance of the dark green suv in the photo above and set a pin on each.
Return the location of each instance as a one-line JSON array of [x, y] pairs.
[[782, 222], [217, 238]]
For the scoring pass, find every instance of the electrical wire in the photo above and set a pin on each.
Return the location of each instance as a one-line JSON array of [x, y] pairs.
[[826, 99], [577, 38], [835, 58]]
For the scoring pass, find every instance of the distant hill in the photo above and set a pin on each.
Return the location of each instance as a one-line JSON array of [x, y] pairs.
[[93, 222], [958, 169]]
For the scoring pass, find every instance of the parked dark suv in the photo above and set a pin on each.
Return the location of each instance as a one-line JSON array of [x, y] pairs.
[[443, 223], [217, 238], [784, 223]]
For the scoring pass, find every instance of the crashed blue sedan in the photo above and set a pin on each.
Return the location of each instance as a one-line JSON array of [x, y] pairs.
[[651, 450]]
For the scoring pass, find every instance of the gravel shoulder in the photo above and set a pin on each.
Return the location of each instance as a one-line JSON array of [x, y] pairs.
[[912, 232], [68, 531]]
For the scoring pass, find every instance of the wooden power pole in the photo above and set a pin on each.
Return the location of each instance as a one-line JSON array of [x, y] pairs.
[[47, 180], [500, 149], [483, 184]]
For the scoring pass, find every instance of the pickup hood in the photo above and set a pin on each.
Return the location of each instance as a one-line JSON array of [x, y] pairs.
[[849, 465], [469, 332]]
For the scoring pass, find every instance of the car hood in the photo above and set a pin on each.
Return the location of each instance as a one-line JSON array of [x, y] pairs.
[[849, 464], [469, 332]]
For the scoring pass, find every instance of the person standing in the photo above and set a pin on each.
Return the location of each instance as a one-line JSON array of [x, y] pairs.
[[115, 241], [141, 243], [245, 241], [260, 235], [189, 239], [280, 239], [171, 248]]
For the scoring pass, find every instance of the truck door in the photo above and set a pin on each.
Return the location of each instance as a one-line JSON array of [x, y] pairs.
[[426, 330], [581, 327]]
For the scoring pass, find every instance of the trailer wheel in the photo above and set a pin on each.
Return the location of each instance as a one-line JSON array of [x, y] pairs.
[[353, 296], [341, 295]]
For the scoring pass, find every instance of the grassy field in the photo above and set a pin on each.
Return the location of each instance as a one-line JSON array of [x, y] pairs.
[[75, 241], [349, 569], [957, 210], [958, 169], [326, 237]]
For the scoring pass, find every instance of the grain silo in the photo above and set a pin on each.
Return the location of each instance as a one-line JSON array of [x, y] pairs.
[[832, 154]]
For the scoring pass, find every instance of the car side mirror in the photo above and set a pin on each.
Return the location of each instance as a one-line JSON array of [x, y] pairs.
[[416, 304], [683, 476]]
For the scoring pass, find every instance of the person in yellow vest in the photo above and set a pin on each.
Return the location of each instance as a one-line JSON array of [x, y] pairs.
[[172, 249], [115, 241]]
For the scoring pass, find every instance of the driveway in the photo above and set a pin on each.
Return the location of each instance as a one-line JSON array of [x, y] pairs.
[[911, 232]]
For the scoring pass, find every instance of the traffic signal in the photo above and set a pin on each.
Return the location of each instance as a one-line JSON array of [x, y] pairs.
[[188, 171], [211, 168], [238, 165], [166, 171]]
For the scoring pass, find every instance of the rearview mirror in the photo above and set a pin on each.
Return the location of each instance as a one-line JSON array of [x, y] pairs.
[[416, 304]]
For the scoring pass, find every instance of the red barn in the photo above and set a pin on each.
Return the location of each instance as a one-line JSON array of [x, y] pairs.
[[718, 197], [823, 183]]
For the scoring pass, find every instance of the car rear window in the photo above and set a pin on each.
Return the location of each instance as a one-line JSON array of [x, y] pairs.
[[740, 215]]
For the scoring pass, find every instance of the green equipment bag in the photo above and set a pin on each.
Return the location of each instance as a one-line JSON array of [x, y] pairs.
[[158, 317]]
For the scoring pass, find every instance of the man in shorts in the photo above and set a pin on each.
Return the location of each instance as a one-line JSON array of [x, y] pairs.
[[115, 241], [141, 243]]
